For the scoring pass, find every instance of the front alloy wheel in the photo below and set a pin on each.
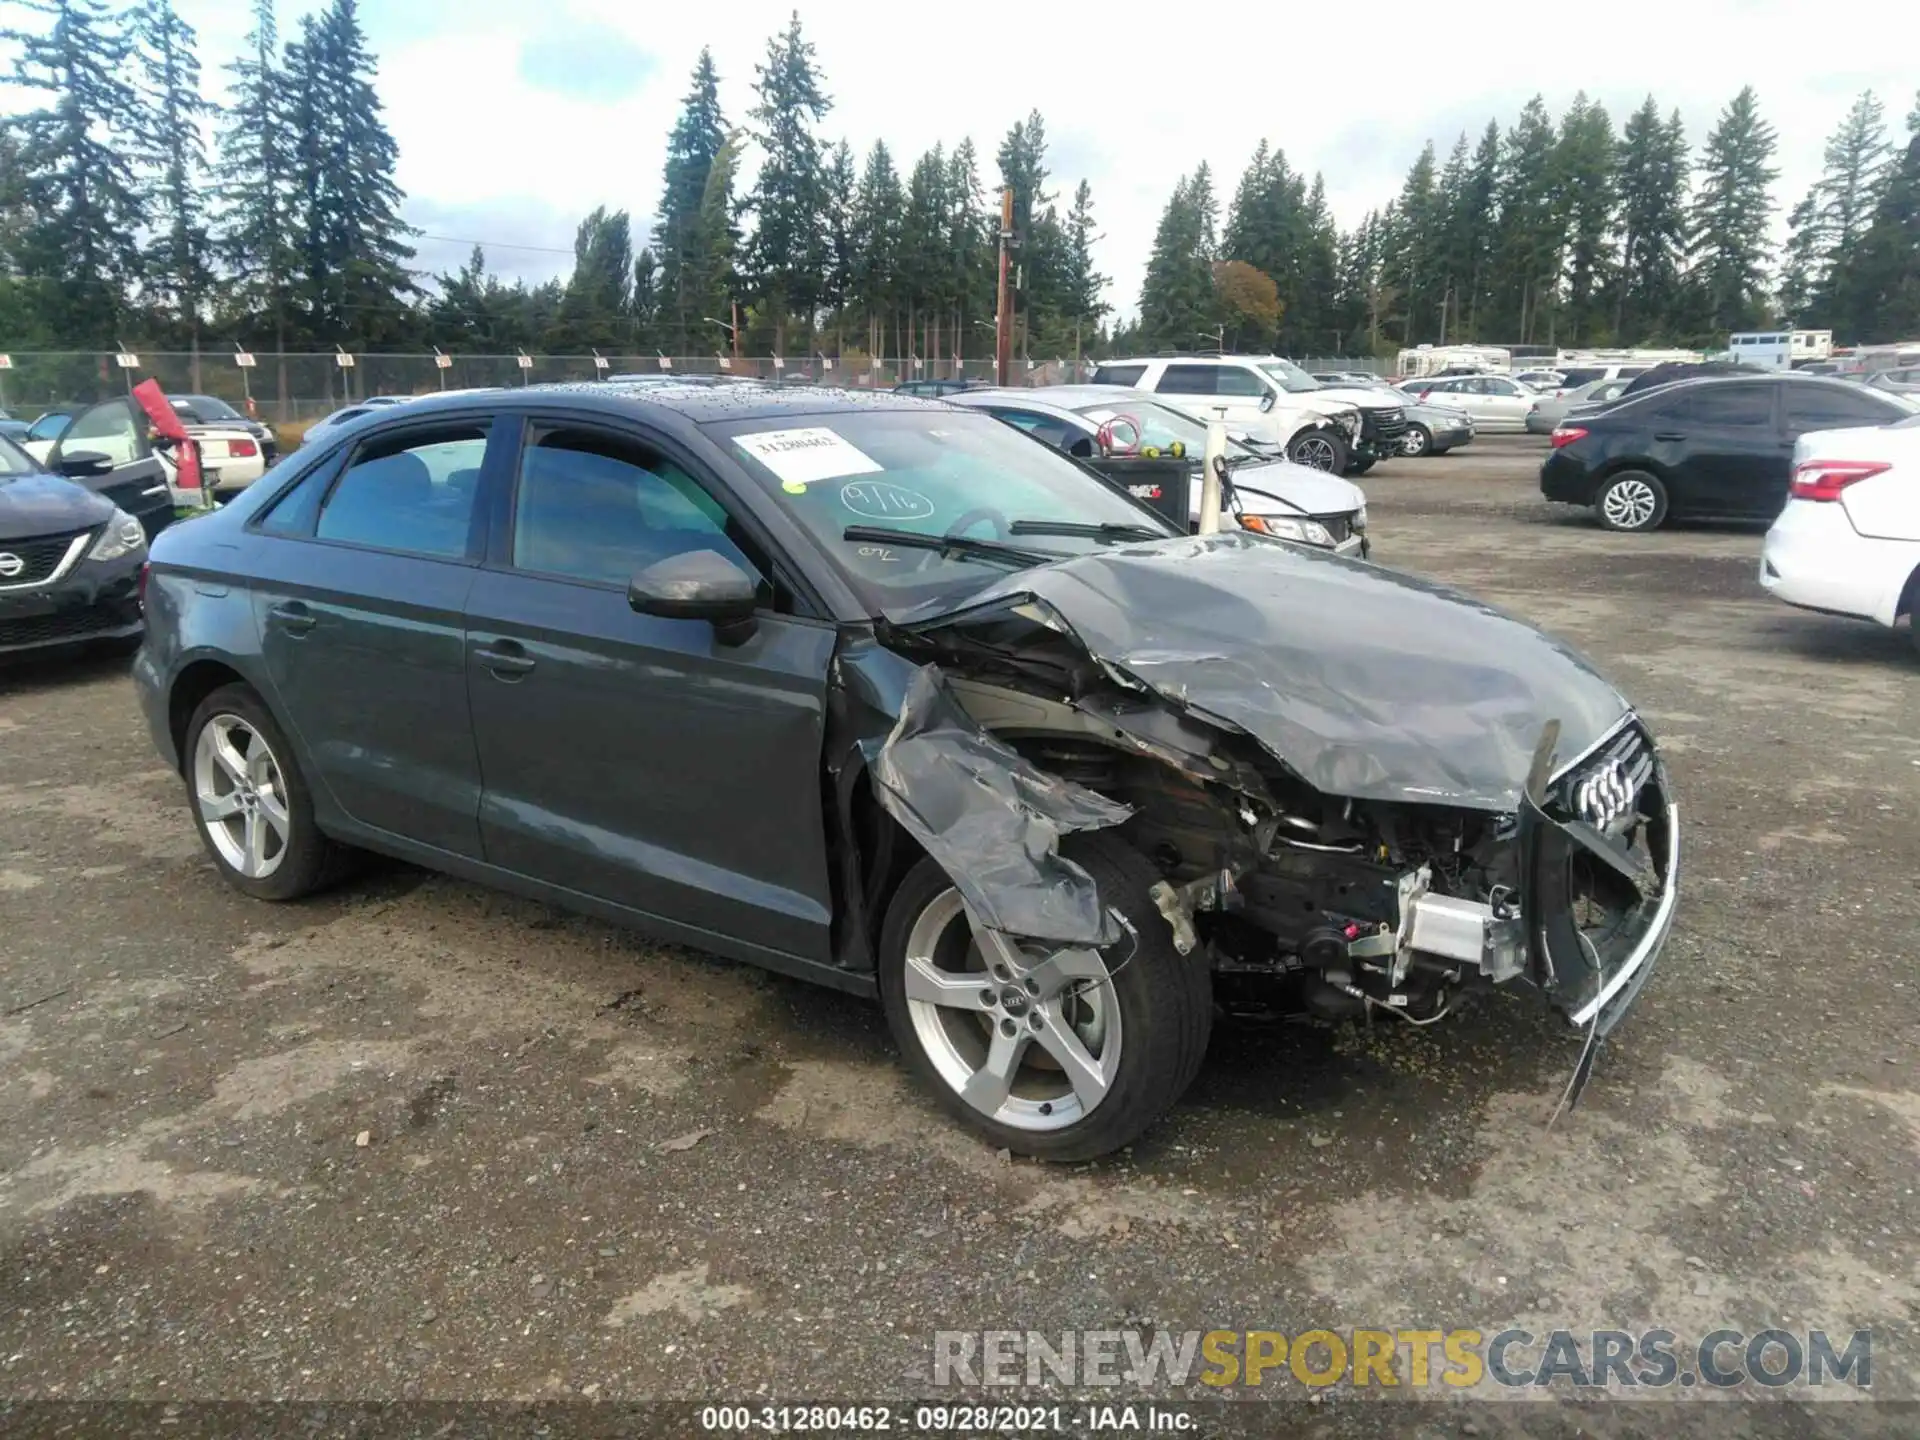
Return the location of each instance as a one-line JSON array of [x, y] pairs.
[[1028, 1038], [1065, 1052], [1632, 500], [1318, 450], [1416, 441]]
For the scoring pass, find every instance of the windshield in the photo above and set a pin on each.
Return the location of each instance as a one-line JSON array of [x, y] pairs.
[[209, 408], [931, 473], [1290, 377], [1160, 425]]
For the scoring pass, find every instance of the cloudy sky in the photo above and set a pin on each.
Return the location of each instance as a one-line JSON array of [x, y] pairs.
[[515, 118]]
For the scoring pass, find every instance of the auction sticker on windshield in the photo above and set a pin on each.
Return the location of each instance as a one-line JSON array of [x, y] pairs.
[[801, 457]]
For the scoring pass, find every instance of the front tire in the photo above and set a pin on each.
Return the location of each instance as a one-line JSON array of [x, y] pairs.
[[250, 802], [1362, 465], [1061, 1054], [1321, 449], [1417, 441], [1632, 500]]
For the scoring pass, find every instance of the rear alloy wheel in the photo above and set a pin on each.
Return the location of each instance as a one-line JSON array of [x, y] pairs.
[[250, 801], [1060, 1052], [1632, 500], [1417, 441], [1319, 450]]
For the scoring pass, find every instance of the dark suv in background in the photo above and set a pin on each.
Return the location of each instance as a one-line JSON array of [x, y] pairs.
[[1719, 448]]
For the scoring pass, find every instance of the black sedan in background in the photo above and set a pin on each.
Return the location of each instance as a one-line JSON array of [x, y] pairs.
[[1719, 448], [70, 557]]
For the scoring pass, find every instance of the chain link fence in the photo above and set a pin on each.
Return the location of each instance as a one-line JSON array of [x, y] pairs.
[[297, 386]]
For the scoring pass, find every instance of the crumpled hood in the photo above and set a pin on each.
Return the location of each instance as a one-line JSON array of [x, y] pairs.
[[40, 504], [1367, 683], [1314, 491]]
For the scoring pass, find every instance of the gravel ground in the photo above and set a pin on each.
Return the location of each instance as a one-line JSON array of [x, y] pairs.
[[416, 1140]]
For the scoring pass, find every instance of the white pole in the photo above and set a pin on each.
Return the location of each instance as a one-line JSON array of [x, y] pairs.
[[1210, 476]]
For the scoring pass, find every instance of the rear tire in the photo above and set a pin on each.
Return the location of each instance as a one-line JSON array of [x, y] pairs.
[[1631, 500], [1133, 1020], [1320, 449], [250, 802]]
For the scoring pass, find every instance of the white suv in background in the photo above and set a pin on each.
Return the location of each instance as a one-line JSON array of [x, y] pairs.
[[1325, 427]]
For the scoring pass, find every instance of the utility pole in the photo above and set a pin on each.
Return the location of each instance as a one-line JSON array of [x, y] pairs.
[[1003, 313], [735, 328]]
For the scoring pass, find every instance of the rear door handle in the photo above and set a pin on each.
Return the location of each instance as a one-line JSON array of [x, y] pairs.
[[294, 617], [505, 658], [1669, 435]]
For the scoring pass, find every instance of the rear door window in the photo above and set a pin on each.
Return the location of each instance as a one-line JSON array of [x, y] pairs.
[[1189, 380], [1737, 406], [1829, 407], [412, 493]]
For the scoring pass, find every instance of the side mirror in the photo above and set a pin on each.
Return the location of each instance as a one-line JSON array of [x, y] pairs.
[[699, 585], [83, 464], [1266, 402]]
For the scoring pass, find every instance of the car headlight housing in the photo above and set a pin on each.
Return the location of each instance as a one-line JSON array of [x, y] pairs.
[[123, 536], [1349, 421], [1285, 527], [1359, 521]]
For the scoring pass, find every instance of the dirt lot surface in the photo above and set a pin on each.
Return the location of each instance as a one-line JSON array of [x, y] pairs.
[[413, 1139]]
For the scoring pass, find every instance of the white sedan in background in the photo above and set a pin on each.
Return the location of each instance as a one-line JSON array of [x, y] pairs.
[[1848, 541]]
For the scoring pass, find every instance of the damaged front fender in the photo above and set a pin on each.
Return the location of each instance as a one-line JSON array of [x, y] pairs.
[[993, 821]]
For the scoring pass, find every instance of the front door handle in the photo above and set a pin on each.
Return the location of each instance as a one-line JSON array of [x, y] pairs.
[[506, 659], [1669, 435], [294, 617]]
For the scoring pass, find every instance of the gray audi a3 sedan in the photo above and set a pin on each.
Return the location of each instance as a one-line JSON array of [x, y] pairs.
[[885, 694]]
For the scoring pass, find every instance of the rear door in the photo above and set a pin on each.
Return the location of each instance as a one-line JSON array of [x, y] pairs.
[[137, 482], [1723, 445], [359, 596], [632, 758]]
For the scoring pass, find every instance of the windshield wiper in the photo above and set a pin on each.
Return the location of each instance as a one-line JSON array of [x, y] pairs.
[[1111, 530], [961, 546]]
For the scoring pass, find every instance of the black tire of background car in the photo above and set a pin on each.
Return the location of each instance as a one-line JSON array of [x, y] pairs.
[[1165, 999], [1652, 482], [312, 861], [1417, 441], [1334, 441]]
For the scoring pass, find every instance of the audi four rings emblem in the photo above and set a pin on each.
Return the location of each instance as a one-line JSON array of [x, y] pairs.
[[10, 565]]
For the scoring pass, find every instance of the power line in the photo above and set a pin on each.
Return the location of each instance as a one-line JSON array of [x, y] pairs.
[[496, 245]]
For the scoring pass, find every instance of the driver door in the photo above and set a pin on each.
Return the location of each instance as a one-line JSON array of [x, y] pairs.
[[135, 480], [631, 758]]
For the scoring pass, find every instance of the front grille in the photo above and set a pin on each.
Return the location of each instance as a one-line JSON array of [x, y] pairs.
[[38, 558], [1604, 790], [1382, 424], [75, 623]]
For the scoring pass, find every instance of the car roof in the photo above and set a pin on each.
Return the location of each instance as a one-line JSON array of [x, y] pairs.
[[699, 403]]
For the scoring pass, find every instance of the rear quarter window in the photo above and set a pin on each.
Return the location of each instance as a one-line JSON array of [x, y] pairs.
[[1128, 375]]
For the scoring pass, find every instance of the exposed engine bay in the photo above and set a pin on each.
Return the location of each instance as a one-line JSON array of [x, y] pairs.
[[1303, 901]]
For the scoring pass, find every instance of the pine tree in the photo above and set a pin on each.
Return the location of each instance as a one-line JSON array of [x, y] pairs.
[[173, 156], [1177, 305], [1528, 247], [599, 293], [921, 265], [877, 207], [841, 180], [76, 173], [252, 177], [1886, 271], [697, 136], [1453, 243], [1022, 159], [1412, 265], [1478, 227], [788, 252], [709, 280], [1307, 318], [1857, 160], [1586, 161], [1085, 285], [971, 254], [1730, 219], [1653, 172], [643, 306], [1804, 265]]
